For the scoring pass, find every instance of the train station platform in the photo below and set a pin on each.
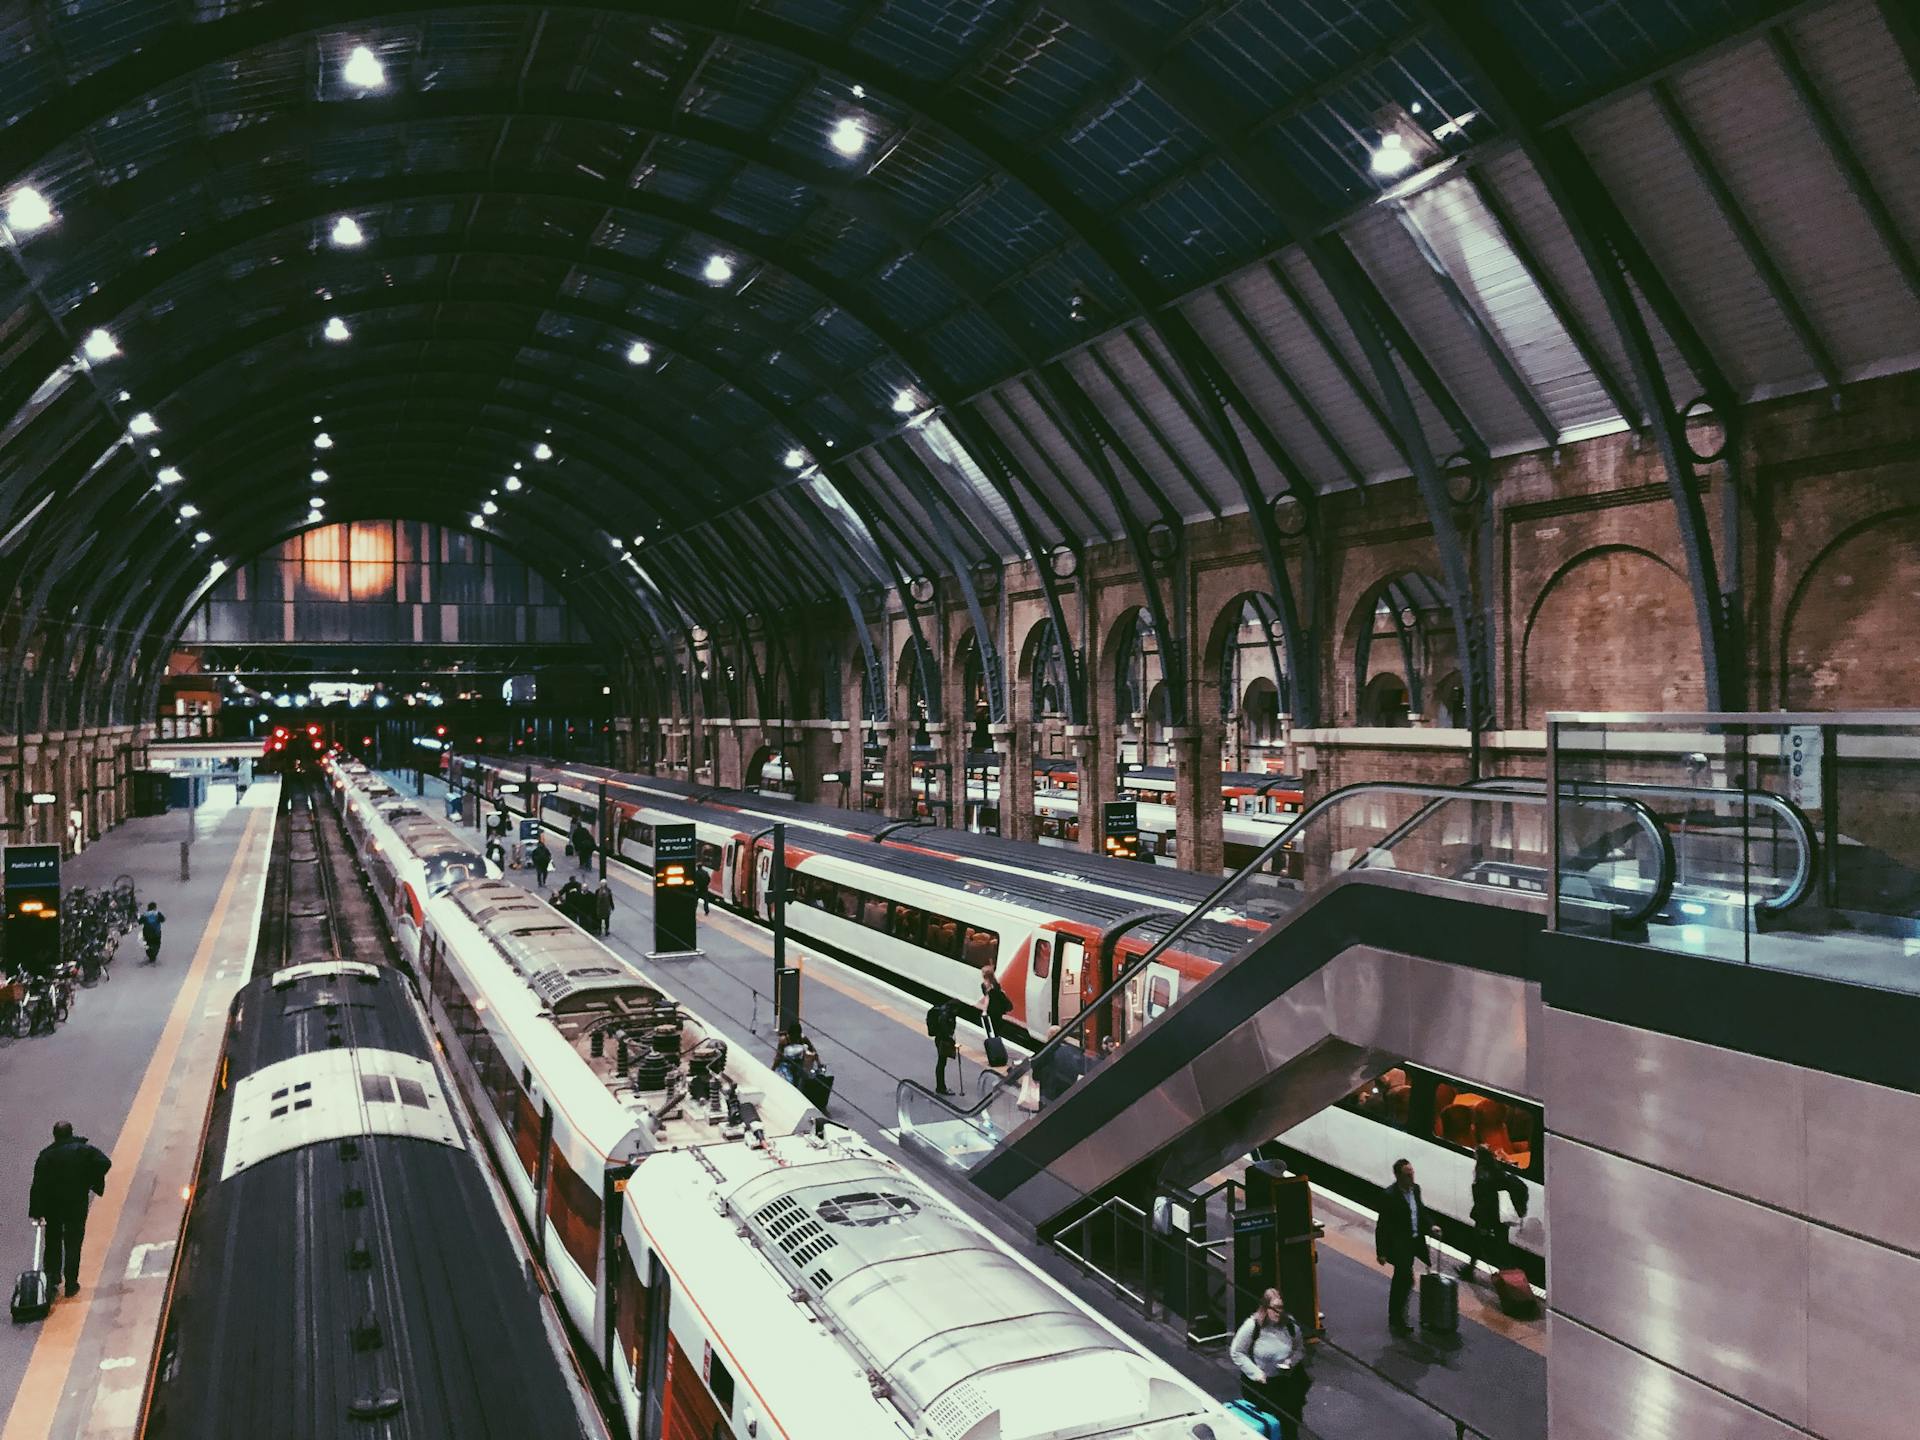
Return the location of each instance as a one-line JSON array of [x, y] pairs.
[[131, 1069], [1493, 1374]]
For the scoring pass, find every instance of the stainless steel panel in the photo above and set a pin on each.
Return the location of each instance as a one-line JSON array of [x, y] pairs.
[[1469, 1023], [1536, 1043], [1154, 1120], [1367, 997], [1863, 1339], [1227, 1067], [1600, 1390], [1729, 1119], [1863, 1152], [1713, 1285]]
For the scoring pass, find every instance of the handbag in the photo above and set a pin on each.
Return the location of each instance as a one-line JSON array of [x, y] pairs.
[[1029, 1097], [1509, 1213], [1531, 1233]]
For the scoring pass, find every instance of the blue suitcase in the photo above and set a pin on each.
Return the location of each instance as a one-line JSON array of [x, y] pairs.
[[1256, 1419]]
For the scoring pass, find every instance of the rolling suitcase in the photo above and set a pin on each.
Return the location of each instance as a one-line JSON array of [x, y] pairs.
[[1254, 1418], [33, 1291], [1516, 1295], [1439, 1302], [817, 1086]]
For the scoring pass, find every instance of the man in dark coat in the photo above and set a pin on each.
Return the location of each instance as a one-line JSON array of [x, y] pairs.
[[1400, 1238], [582, 839], [67, 1175], [603, 908], [542, 861]]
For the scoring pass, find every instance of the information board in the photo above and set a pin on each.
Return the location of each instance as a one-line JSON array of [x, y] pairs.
[[32, 866], [1121, 826], [32, 880], [675, 854], [1805, 760]]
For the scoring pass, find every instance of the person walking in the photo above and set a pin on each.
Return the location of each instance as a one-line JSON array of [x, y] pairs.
[[603, 908], [941, 1023], [1493, 1182], [1400, 1238], [542, 862], [151, 924], [995, 1004], [1270, 1352], [67, 1174], [703, 888]]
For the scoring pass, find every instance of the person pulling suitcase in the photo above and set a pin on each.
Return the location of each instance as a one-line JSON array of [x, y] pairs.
[[1399, 1240], [66, 1177]]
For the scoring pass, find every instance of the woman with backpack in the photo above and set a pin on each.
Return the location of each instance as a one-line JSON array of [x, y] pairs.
[[940, 1027], [1270, 1352]]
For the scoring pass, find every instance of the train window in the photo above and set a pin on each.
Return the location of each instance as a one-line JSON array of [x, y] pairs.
[[1042, 958], [983, 947], [1386, 1098], [909, 924], [720, 1381], [630, 1311], [1050, 827], [1159, 995], [943, 936], [709, 855], [846, 903], [1468, 1119], [638, 831], [873, 913], [1071, 830], [573, 1207]]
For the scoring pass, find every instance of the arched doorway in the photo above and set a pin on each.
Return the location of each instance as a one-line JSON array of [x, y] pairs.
[[1402, 631], [1247, 659], [1385, 701], [1142, 705]]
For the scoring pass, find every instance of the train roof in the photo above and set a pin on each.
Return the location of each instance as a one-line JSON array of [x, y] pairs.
[[331, 1127], [861, 1293]]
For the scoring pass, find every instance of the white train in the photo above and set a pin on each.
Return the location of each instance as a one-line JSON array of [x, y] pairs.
[[923, 908], [734, 1270]]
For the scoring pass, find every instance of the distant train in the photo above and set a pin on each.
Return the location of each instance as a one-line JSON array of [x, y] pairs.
[[736, 1270], [293, 745], [923, 908]]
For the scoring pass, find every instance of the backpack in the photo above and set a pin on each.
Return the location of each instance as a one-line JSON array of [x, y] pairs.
[[939, 1021]]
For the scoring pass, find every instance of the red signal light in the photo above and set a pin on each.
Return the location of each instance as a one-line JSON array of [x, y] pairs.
[[366, 739], [313, 729], [316, 744], [279, 732], [279, 744], [439, 729]]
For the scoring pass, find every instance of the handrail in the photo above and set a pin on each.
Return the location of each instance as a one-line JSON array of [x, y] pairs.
[[1069, 1029], [1796, 818]]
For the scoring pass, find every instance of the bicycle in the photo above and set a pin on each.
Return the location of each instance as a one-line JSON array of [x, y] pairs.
[[14, 1016]]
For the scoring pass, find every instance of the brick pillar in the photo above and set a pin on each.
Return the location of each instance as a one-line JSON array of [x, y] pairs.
[[1096, 755], [1196, 797], [1014, 745], [896, 798]]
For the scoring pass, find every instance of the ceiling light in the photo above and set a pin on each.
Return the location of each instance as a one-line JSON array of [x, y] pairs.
[[99, 345], [142, 424], [639, 353], [363, 70], [489, 508], [168, 476], [319, 477], [314, 517], [849, 137], [323, 441], [905, 402], [859, 92], [794, 459], [618, 543], [719, 269], [153, 452], [478, 523], [187, 512], [201, 537], [316, 419], [519, 465], [512, 482], [1414, 108], [336, 329], [543, 451], [1393, 157], [125, 395], [347, 233], [316, 501], [28, 211]]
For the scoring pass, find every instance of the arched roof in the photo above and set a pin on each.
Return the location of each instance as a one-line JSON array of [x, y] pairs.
[[1096, 265]]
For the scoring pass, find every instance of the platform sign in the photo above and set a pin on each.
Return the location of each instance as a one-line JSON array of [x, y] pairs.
[[32, 884], [1805, 756], [1121, 825], [676, 854], [529, 831]]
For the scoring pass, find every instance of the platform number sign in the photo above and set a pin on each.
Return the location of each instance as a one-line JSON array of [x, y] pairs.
[[676, 852], [1805, 757], [1122, 828]]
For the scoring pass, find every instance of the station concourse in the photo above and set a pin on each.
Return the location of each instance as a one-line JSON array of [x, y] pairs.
[[1334, 577]]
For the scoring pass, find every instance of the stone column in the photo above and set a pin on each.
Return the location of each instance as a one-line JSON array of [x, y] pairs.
[[938, 738], [1014, 745], [1196, 797], [1099, 782]]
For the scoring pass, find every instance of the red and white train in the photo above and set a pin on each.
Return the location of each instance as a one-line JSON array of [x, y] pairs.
[[733, 1268], [923, 908]]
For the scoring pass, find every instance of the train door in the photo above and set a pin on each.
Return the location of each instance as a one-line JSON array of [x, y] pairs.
[[653, 1385], [1071, 959], [763, 880], [1039, 1011], [733, 875]]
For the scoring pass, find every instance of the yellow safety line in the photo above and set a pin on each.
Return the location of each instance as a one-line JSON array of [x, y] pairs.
[[45, 1380]]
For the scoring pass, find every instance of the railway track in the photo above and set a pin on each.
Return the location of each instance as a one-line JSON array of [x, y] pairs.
[[317, 907]]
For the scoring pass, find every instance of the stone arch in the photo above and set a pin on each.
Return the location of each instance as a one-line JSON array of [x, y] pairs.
[[1258, 717], [971, 710], [1612, 629], [1403, 624], [1837, 648], [1246, 655], [1447, 702], [916, 687], [751, 775], [1134, 674], [1043, 671]]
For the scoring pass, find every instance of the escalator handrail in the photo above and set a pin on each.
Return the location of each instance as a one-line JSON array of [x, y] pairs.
[[1662, 888], [1798, 888]]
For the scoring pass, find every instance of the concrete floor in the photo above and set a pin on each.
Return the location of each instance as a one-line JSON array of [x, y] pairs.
[[131, 1069], [871, 1035]]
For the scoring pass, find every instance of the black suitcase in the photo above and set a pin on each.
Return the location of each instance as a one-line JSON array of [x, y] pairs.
[[1439, 1302], [996, 1049], [33, 1292], [818, 1087]]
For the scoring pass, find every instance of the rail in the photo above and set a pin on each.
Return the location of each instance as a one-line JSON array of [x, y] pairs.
[[912, 1096]]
